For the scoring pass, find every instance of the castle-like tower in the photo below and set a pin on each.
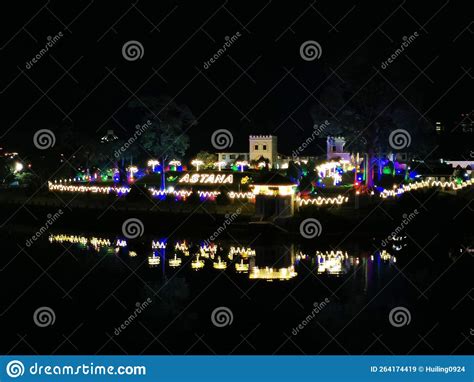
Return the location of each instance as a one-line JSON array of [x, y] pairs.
[[335, 148], [264, 146]]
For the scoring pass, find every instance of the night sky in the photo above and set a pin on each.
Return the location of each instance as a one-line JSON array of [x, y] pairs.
[[260, 85]]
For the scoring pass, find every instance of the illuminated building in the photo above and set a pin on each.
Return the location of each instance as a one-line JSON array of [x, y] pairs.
[[263, 146], [274, 196], [230, 158], [335, 148]]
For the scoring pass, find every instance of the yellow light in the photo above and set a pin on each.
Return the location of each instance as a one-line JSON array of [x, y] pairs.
[[153, 261], [241, 267], [175, 262], [197, 264], [18, 166], [220, 264], [272, 274], [241, 164], [153, 163], [323, 200], [196, 163], [220, 165], [175, 162]]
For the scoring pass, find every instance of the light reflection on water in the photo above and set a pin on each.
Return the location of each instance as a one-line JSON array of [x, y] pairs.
[[258, 262]]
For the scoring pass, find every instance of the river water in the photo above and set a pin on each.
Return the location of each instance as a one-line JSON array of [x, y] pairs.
[[252, 295]]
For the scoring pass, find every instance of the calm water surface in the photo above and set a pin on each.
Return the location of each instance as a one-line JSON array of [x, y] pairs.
[[157, 295]]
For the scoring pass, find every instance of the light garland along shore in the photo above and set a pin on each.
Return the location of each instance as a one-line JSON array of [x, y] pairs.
[[92, 189], [322, 201], [250, 196], [61, 187], [426, 184]]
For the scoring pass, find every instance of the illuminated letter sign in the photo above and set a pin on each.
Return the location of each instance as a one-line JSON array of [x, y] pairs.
[[207, 178]]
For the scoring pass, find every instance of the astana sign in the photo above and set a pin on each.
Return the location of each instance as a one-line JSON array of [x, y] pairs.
[[207, 178]]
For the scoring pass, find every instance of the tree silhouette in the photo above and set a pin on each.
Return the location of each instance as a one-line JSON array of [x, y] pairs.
[[364, 108], [166, 137]]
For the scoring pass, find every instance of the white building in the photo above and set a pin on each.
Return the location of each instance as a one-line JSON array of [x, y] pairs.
[[231, 158]]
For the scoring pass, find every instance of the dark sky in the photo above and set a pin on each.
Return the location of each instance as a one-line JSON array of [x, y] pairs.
[[247, 90]]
